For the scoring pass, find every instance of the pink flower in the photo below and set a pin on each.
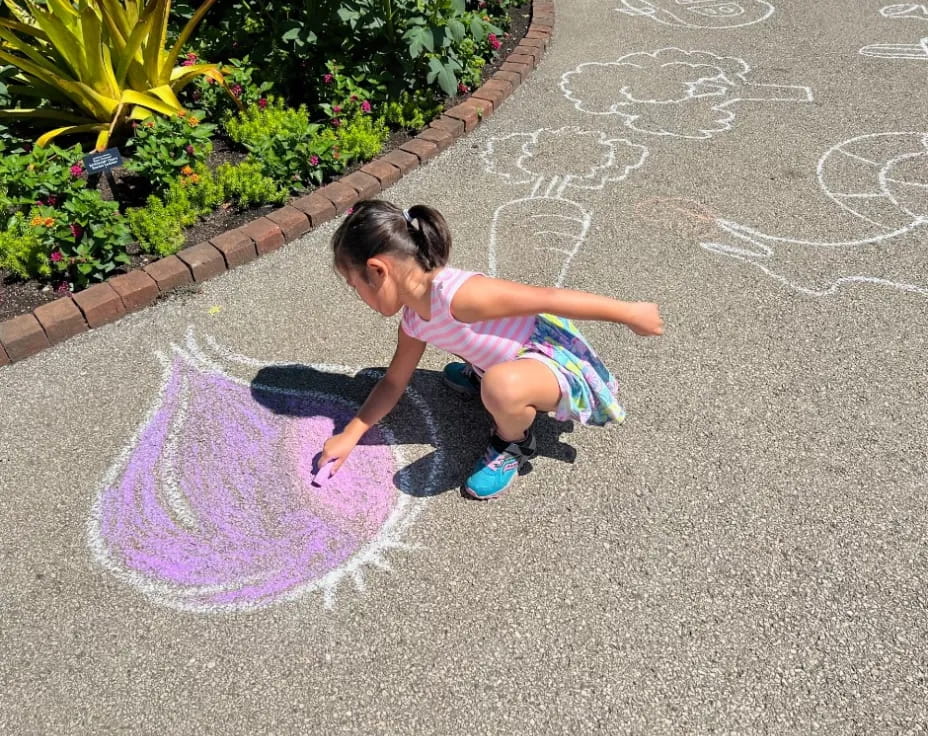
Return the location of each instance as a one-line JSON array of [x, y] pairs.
[[328, 78], [354, 98], [494, 42], [336, 108], [188, 62], [76, 230], [210, 80], [336, 122], [63, 288], [482, 4], [236, 89], [55, 256], [313, 160], [349, 210], [463, 88], [190, 150], [262, 103], [196, 95], [365, 106], [40, 202], [53, 201], [77, 169]]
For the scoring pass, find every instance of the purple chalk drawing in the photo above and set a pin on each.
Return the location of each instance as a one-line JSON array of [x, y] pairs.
[[213, 507]]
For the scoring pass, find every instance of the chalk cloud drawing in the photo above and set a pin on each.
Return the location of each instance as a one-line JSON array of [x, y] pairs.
[[882, 180], [672, 92], [211, 507], [901, 50], [546, 228], [700, 13]]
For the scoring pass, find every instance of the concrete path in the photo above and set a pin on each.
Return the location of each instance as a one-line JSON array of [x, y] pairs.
[[746, 554]]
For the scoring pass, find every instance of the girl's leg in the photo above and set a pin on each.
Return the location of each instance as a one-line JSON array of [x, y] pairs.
[[513, 392]]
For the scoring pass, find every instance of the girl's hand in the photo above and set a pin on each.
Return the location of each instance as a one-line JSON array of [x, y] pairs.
[[645, 319], [337, 448]]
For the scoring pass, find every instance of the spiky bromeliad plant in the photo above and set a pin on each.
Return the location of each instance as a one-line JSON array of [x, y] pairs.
[[99, 63]]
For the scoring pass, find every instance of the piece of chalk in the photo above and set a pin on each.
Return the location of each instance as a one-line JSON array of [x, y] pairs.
[[323, 474]]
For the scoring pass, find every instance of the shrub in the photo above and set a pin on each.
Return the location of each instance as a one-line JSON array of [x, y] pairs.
[[246, 185], [82, 240], [215, 102], [411, 110], [162, 147], [41, 173], [360, 138]]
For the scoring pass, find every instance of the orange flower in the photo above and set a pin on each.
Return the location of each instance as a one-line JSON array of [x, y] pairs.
[[193, 122], [186, 171], [48, 221], [182, 114], [150, 124], [194, 178], [36, 221]]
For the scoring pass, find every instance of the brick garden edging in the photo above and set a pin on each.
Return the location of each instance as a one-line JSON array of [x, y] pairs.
[[71, 315]]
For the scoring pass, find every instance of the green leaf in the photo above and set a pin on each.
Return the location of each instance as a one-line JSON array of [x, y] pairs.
[[459, 7], [444, 73], [457, 30], [477, 28]]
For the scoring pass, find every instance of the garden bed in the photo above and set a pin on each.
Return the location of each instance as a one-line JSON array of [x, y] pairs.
[[18, 296]]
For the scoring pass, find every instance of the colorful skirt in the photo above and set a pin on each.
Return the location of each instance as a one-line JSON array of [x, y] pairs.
[[588, 389]]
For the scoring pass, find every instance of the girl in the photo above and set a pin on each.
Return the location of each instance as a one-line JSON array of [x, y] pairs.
[[521, 359]]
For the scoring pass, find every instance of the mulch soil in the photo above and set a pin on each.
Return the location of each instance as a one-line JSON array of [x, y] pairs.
[[21, 297]]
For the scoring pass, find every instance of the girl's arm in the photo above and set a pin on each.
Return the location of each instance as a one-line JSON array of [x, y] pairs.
[[381, 400], [479, 299]]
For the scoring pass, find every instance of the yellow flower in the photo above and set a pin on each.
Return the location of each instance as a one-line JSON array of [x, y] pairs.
[[36, 221], [193, 122]]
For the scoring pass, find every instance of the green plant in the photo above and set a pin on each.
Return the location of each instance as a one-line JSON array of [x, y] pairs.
[[246, 185], [82, 240], [161, 147], [360, 138], [98, 62], [41, 173], [22, 251], [245, 91], [158, 226], [411, 110]]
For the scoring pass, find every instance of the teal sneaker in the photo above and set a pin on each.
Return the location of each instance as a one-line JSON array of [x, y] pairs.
[[462, 378], [499, 466]]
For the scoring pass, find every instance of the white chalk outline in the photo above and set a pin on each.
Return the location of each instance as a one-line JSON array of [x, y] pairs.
[[405, 510], [918, 51], [719, 80], [760, 241], [905, 10], [647, 9], [552, 190]]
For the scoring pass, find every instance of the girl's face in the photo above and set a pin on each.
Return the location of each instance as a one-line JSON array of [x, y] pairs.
[[378, 290]]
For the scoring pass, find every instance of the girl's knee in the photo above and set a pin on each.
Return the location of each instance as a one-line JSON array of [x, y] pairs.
[[500, 387]]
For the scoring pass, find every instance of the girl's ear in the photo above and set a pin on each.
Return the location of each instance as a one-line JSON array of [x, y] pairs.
[[376, 269]]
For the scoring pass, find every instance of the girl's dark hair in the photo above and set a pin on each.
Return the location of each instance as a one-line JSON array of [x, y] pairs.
[[376, 227]]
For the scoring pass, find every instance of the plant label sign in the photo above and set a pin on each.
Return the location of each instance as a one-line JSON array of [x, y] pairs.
[[100, 161]]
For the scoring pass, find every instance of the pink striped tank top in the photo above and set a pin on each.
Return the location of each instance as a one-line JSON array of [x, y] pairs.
[[482, 344]]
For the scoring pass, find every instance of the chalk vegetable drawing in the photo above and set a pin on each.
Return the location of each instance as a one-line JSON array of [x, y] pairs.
[[882, 180], [672, 92], [211, 506], [700, 13], [545, 228], [901, 50]]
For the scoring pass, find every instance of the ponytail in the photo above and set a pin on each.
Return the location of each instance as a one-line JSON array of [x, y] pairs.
[[376, 227], [430, 233]]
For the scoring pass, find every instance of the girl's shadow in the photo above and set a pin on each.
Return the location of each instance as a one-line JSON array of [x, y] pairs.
[[457, 428]]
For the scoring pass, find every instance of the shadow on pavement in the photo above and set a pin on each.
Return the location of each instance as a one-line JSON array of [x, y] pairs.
[[458, 429]]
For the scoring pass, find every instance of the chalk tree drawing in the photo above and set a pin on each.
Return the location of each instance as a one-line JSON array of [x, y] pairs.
[[901, 50], [687, 94], [700, 13], [211, 507], [546, 225], [882, 180]]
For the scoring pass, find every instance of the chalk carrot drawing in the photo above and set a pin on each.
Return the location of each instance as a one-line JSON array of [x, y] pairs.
[[672, 92], [700, 13], [212, 505], [546, 229], [882, 180]]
